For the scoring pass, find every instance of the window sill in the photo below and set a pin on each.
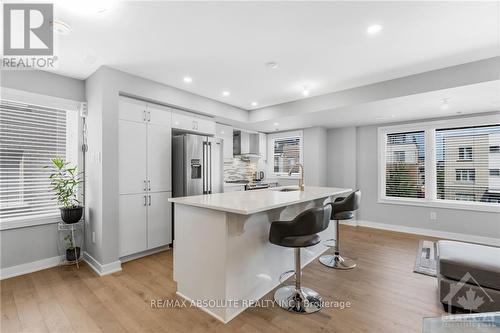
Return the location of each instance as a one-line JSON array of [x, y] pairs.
[[29, 222], [446, 204]]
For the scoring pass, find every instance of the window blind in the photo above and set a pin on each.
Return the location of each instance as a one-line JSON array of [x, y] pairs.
[[30, 136], [467, 160], [405, 165], [286, 154]]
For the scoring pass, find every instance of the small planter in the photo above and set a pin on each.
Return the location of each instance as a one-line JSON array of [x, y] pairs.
[[71, 255], [71, 214]]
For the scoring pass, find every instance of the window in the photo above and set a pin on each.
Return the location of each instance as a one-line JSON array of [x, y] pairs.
[[405, 165], [444, 162], [465, 197], [465, 175], [30, 136], [286, 153], [399, 156], [465, 153], [494, 149]]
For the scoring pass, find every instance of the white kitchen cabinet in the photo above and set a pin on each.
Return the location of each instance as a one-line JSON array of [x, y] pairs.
[[132, 109], [192, 123], [132, 154], [144, 176], [132, 231], [159, 217], [263, 146], [159, 158], [225, 133]]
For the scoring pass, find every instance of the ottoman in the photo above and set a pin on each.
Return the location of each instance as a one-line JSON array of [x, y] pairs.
[[468, 276]]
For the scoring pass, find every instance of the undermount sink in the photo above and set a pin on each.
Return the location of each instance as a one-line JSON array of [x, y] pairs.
[[288, 189]]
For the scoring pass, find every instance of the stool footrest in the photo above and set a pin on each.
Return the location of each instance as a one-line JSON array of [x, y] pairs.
[[282, 276]]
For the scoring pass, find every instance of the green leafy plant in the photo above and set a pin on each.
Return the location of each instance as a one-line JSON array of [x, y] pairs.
[[64, 181], [69, 242]]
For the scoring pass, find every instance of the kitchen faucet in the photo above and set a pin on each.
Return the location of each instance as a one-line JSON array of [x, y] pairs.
[[301, 180]]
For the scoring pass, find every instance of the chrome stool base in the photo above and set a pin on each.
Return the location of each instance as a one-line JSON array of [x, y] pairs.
[[337, 261], [304, 301]]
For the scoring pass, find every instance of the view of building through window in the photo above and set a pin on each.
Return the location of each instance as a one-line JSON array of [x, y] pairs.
[[467, 161], [286, 154]]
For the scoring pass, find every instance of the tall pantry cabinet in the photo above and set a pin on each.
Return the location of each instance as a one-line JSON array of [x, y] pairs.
[[145, 215]]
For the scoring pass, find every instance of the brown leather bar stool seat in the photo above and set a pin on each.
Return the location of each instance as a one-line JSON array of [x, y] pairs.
[[301, 232]]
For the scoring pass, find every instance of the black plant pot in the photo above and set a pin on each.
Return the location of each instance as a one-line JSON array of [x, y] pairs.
[[72, 214], [71, 255]]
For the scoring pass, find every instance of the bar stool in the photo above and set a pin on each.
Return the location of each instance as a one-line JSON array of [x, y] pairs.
[[302, 231], [342, 209]]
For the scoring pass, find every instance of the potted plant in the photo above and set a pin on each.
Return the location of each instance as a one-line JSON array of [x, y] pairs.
[[64, 181], [72, 252]]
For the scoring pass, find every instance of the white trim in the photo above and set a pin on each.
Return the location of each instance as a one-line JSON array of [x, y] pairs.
[[100, 269], [438, 203], [428, 232], [429, 129], [144, 253], [26, 97], [30, 222], [29, 267], [271, 137]]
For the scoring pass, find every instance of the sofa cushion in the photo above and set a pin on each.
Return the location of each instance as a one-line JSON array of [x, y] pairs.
[[482, 262]]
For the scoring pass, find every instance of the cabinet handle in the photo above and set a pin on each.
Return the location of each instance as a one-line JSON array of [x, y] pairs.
[[145, 186], [149, 115], [149, 184], [149, 200], [145, 201], [144, 118]]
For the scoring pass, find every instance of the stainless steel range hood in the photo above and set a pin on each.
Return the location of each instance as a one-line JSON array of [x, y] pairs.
[[245, 144]]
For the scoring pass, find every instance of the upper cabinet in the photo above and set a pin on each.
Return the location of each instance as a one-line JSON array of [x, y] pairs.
[[192, 123], [263, 146], [225, 133]]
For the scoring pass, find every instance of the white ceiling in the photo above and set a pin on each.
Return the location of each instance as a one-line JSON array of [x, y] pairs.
[[225, 45], [475, 98]]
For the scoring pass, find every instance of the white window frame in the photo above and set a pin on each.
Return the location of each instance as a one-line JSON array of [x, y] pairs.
[[26, 97], [271, 138], [429, 128]]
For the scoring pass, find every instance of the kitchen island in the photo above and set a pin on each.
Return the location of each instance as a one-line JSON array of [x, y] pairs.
[[223, 261]]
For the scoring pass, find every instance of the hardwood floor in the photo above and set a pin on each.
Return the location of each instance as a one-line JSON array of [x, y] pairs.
[[385, 296]]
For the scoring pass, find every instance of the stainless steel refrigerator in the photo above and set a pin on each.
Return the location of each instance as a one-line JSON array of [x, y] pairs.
[[197, 165]]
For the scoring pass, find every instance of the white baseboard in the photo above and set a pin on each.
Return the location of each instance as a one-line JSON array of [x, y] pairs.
[[144, 253], [100, 269], [425, 232], [30, 267]]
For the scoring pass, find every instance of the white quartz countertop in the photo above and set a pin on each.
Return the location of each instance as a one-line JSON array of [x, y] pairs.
[[251, 202]]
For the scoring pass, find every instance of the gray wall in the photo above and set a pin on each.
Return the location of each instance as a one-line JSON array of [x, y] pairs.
[[24, 245], [314, 150], [477, 223]]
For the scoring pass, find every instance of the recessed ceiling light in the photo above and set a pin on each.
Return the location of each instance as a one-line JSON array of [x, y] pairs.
[[255, 103], [276, 124], [444, 104], [60, 27], [374, 29], [187, 79], [272, 65], [226, 93], [305, 92]]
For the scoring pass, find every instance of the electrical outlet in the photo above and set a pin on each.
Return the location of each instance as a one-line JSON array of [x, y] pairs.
[[93, 237], [433, 216]]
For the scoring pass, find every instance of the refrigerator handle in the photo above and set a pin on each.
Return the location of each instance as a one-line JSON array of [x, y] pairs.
[[204, 168], [210, 164]]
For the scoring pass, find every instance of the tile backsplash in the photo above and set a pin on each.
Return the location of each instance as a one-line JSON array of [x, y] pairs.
[[239, 169]]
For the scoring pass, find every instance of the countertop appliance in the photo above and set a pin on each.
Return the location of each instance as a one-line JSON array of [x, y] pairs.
[[197, 165]]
